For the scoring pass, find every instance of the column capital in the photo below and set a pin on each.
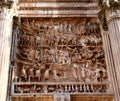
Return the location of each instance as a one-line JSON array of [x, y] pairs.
[[109, 4], [8, 9], [109, 9]]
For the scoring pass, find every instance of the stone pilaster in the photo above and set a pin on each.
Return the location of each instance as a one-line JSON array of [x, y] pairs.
[[114, 33], [110, 17], [5, 44], [113, 87], [6, 16]]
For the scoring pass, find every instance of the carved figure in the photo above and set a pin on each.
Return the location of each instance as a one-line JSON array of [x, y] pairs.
[[21, 39], [100, 54], [18, 89], [23, 73], [82, 28], [83, 40], [76, 72], [60, 51], [84, 52], [25, 53], [63, 57], [83, 74], [30, 53], [15, 73], [26, 90], [65, 26], [52, 53], [74, 41], [38, 74], [30, 73], [38, 55], [47, 72]]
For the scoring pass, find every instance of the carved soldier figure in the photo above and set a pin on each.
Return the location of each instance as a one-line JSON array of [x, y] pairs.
[[69, 28], [100, 53], [84, 52], [18, 89], [83, 40], [47, 72], [21, 39], [83, 73], [82, 28], [76, 71], [63, 57], [38, 73], [38, 55], [30, 74], [15, 73], [94, 40], [30, 53], [23, 73], [65, 29], [74, 41], [31, 41]]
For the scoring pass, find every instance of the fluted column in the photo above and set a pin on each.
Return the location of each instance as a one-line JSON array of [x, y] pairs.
[[114, 33], [110, 18], [6, 16], [110, 65]]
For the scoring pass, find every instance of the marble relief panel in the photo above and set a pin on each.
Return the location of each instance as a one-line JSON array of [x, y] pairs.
[[59, 50]]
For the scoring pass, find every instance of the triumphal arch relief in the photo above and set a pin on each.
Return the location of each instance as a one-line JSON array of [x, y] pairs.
[[59, 50], [60, 57]]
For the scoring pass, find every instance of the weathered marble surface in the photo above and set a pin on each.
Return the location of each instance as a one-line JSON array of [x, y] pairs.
[[5, 46]]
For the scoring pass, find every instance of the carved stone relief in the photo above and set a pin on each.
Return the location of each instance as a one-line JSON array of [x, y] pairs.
[[58, 51]]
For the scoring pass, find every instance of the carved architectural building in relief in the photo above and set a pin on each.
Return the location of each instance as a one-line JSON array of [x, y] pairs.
[[61, 50]]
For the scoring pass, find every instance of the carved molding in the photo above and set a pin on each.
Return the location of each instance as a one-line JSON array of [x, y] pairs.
[[56, 1], [63, 9]]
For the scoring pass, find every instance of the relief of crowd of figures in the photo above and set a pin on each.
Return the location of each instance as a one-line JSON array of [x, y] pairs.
[[55, 50], [61, 88]]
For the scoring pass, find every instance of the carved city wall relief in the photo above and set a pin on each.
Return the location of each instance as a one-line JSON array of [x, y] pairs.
[[59, 51]]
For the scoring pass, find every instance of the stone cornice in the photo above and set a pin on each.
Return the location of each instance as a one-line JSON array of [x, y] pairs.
[[27, 5], [58, 13], [56, 1], [59, 9]]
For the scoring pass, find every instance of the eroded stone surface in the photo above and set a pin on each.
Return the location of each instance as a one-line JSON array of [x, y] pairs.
[[63, 56]]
